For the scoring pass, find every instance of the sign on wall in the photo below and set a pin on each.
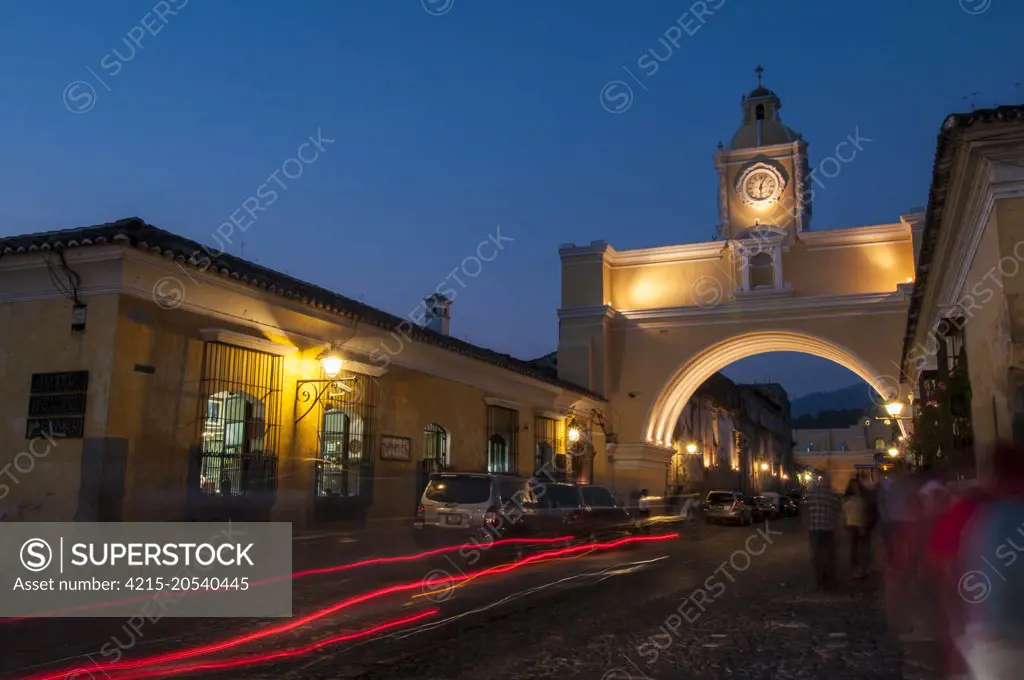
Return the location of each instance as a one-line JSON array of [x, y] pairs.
[[56, 405], [395, 448]]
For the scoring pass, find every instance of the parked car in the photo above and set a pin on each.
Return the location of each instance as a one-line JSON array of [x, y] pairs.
[[727, 506], [789, 507], [798, 500], [460, 507], [775, 499], [584, 511], [768, 507]]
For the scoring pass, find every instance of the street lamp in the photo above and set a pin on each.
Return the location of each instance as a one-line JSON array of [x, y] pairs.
[[894, 408], [893, 452], [764, 467], [691, 448], [574, 434]]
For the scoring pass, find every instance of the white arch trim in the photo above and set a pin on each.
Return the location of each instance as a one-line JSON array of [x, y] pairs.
[[668, 407]]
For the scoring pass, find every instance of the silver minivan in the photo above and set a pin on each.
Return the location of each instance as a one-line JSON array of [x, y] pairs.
[[461, 506]]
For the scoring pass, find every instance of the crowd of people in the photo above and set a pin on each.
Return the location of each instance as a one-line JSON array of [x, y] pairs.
[[951, 563]]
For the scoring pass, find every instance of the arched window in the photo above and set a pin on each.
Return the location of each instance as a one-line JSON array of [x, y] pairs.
[[879, 445], [497, 454], [435, 447], [762, 271], [759, 112]]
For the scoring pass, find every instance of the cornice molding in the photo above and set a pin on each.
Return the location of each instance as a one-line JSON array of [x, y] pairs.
[[687, 252], [991, 183], [245, 340], [587, 312], [857, 236], [861, 303], [503, 403]]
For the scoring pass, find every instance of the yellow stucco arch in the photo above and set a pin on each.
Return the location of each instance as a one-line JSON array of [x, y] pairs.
[[667, 408]]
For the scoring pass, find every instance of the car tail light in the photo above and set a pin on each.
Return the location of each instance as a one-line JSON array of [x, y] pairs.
[[737, 505], [491, 518], [420, 512]]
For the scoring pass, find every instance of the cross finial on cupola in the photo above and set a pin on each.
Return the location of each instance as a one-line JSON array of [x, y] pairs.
[[759, 71]]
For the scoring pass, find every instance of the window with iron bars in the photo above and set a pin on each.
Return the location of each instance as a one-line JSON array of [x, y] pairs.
[[502, 439], [240, 403], [550, 455], [435, 448], [344, 466]]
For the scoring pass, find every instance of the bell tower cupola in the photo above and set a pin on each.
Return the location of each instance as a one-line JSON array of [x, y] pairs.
[[763, 171]]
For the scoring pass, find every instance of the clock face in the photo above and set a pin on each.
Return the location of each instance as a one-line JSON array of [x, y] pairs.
[[761, 185]]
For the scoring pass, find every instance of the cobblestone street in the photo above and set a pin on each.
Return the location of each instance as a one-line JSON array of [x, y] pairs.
[[717, 602]]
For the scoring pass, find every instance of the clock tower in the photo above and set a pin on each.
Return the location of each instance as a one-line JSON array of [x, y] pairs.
[[763, 173]]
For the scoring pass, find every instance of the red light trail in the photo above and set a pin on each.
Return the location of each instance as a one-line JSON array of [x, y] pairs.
[[161, 659], [298, 575]]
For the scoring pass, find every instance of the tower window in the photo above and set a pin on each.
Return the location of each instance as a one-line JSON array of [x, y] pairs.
[[760, 112]]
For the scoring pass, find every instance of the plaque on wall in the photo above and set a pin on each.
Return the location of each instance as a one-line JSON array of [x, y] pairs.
[[395, 448], [56, 405]]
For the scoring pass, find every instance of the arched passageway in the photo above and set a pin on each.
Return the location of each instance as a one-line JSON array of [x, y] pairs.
[[666, 409]]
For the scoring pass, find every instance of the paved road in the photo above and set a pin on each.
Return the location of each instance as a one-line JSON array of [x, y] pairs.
[[717, 602]]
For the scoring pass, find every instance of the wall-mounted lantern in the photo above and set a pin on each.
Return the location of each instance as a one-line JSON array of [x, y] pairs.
[[312, 392]]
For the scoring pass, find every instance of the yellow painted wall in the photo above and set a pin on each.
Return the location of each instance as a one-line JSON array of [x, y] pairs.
[[848, 271], [36, 337], [157, 413]]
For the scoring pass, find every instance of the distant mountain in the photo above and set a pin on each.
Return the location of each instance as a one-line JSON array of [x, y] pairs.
[[854, 397]]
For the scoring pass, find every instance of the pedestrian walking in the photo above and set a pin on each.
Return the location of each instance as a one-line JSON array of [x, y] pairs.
[[823, 509], [855, 519]]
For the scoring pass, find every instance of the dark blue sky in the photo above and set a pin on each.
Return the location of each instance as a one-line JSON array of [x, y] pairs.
[[447, 126]]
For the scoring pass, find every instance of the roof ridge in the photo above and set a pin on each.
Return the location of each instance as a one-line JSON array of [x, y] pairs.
[[138, 233]]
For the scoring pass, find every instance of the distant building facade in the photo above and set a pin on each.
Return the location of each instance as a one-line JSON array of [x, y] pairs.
[[855, 451], [740, 439]]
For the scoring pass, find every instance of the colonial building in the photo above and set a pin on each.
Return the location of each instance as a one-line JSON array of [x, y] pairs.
[[733, 437], [963, 351], [647, 327], [143, 377]]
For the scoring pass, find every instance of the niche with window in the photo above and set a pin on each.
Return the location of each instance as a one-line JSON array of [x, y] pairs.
[[761, 271], [502, 439]]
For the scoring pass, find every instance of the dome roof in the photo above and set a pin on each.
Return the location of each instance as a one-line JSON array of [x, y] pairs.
[[771, 132], [761, 91]]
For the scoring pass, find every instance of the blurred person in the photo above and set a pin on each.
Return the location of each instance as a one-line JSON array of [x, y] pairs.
[[991, 586], [914, 580], [855, 519], [644, 504], [947, 569], [888, 499], [821, 515]]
